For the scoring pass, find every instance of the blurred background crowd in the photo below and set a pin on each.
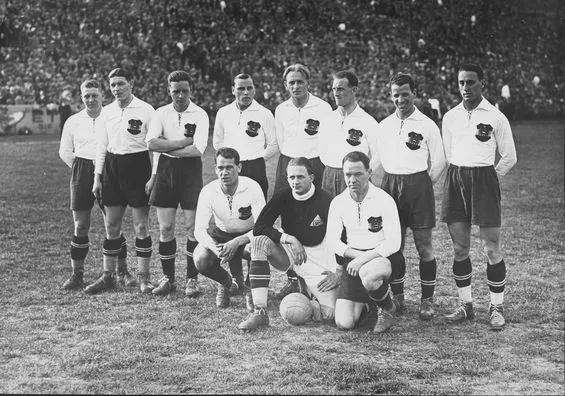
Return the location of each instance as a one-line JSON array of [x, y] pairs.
[[48, 47]]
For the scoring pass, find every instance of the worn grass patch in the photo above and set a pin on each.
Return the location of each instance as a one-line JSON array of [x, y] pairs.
[[124, 342]]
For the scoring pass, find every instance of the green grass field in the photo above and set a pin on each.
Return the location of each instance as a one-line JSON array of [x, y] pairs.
[[53, 341]]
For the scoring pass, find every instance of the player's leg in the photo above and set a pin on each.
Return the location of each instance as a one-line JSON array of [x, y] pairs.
[[263, 252], [208, 265], [496, 275], [428, 270], [462, 270], [79, 249], [374, 276], [167, 250], [398, 275], [348, 313], [143, 246], [192, 288], [323, 303]]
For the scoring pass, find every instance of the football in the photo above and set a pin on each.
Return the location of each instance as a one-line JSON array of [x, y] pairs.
[[295, 309]]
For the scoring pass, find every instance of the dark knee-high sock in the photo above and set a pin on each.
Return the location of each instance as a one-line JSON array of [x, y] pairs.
[[167, 253], [496, 278], [381, 296], [191, 271], [259, 278], [215, 272], [462, 272], [428, 271], [398, 264], [79, 250]]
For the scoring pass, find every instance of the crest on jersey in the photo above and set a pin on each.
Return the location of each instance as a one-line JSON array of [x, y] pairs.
[[317, 222], [375, 223], [414, 140], [134, 126], [189, 130], [245, 213], [252, 128], [312, 126], [354, 137], [484, 132]]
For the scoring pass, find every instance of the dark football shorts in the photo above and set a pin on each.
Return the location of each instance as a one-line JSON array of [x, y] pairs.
[[471, 195], [414, 197], [333, 181], [281, 181], [178, 181], [82, 180], [124, 178], [255, 169], [350, 287]]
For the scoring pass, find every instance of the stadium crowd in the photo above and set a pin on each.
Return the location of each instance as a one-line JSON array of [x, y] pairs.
[[47, 48]]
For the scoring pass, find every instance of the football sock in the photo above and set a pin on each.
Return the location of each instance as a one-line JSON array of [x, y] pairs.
[[167, 253], [462, 272], [496, 279], [259, 278], [122, 256], [79, 250], [143, 249], [191, 271], [398, 264], [291, 274], [428, 270], [214, 271], [111, 249], [236, 267], [381, 296]]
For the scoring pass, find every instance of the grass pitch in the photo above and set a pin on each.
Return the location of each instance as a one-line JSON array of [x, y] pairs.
[[53, 341]]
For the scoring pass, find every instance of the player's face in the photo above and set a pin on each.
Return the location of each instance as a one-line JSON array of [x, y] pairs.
[[403, 99], [296, 84], [344, 94], [180, 94], [227, 171], [92, 98], [121, 88], [244, 92], [356, 176], [470, 87], [299, 179]]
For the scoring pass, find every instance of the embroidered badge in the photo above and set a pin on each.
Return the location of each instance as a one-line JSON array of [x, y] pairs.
[[354, 137], [134, 126], [252, 128], [245, 213], [484, 132], [189, 130], [375, 223], [414, 140], [312, 126]]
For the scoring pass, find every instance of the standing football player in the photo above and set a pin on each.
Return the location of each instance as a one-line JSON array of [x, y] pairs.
[[78, 150], [178, 135], [473, 132], [303, 211], [363, 231], [411, 153], [235, 203], [122, 172], [353, 129]]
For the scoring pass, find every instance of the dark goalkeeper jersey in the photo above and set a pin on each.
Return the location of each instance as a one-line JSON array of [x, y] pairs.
[[305, 220]]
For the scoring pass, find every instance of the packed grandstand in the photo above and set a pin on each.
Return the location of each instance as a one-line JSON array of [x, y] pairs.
[[47, 48]]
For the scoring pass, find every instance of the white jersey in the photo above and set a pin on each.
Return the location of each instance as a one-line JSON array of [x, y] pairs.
[[471, 138], [232, 214], [251, 131], [352, 132], [370, 224], [79, 137], [124, 130], [411, 145], [301, 131]]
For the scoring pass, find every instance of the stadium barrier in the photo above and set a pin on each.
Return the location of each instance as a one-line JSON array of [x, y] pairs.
[[28, 119]]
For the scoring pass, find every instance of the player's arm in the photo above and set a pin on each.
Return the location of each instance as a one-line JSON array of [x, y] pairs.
[[279, 128], [218, 135], [197, 148], [270, 136], [202, 220], [505, 146], [334, 229], [264, 223], [437, 161], [446, 137], [66, 146], [376, 164], [101, 150]]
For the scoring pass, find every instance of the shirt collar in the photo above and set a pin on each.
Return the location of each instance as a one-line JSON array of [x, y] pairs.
[[483, 104], [191, 107], [241, 186], [416, 115], [254, 106]]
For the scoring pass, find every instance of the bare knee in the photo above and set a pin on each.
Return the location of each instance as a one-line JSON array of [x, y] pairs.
[[167, 231], [203, 258], [461, 251], [81, 228], [425, 250], [344, 322]]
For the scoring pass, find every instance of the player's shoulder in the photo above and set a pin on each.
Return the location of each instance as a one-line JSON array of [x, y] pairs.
[[319, 102], [141, 103], [248, 183]]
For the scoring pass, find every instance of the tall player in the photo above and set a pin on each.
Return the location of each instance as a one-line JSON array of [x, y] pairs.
[[301, 125], [78, 150], [353, 130], [411, 152], [122, 172], [179, 132], [473, 132]]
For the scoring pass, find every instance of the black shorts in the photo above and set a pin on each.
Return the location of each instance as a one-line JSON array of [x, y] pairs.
[[178, 181], [414, 197], [471, 195], [350, 287], [124, 179], [255, 169], [333, 181], [82, 180], [280, 178]]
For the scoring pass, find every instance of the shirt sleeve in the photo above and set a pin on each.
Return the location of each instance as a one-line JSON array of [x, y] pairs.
[[201, 134], [202, 219], [446, 136], [391, 227], [437, 155], [101, 149], [373, 142], [334, 230], [66, 146], [279, 128], [218, 136], [270, 135], [506, 147]]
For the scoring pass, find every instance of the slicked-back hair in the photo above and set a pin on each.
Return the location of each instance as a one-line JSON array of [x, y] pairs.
[[302, 161], [357, 156], [228, 152], [177, 76], [120, 72], [91, 83], [402, 78], [297, 67], [242, 76], [351, 77], [470, 67]]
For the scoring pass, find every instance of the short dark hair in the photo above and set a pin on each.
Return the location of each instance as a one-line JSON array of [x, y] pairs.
[[228, 152], [297, 67], [351, 77], [302, 161], [401, 79], [90, 83], [242, 76], [357, 156], [178, 75], [472, 68], [120, 72]]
